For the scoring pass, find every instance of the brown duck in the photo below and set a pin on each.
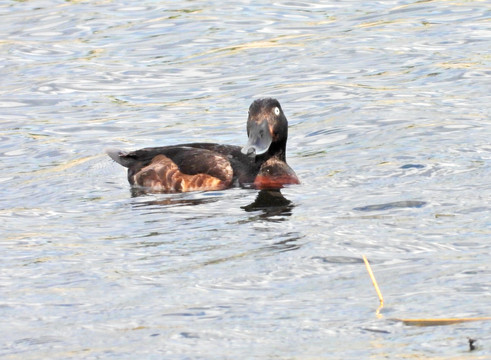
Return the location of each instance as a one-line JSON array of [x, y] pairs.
[[260, 164]]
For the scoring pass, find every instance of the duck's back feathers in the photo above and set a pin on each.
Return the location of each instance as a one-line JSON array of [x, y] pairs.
[[175, 168]]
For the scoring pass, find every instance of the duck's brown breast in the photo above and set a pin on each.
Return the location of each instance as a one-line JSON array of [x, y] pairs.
[[274, 174]]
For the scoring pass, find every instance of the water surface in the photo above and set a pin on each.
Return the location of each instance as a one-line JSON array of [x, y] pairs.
[[388, 105]]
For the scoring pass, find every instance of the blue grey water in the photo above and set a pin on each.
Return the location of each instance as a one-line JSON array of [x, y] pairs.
[[388, 105]]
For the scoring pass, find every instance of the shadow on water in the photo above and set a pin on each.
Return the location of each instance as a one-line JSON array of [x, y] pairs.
[[288, 244], [338, 259], [270, 203], [175, 202], [170, 199], [392, 205], [274, 207]]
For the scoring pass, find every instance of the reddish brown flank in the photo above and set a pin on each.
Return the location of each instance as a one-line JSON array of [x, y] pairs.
[[162, 174]]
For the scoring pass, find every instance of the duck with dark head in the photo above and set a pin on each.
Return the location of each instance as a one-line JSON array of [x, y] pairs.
[[260, 164]]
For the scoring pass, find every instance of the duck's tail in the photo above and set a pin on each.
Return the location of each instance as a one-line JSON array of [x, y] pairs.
[[120, 157]]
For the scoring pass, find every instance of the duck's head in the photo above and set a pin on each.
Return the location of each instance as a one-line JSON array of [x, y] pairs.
[[267, 129]]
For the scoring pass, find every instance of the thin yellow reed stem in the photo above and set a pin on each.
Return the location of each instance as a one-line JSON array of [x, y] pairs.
[[375, 284], [417, 322]]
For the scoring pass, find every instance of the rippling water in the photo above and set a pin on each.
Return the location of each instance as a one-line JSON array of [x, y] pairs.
[[388, 104]]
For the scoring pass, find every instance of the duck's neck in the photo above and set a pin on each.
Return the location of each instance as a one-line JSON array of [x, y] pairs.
[[278, 153]]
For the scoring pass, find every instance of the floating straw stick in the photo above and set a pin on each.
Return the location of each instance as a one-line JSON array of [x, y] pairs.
[[439, 322], [417, 322], [375, 285]]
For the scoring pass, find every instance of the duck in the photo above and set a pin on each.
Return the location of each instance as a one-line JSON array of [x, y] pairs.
[[260, 164]]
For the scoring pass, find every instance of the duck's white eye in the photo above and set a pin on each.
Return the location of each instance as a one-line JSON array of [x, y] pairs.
[[277, 111]]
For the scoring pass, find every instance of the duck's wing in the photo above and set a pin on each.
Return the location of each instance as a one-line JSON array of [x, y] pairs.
[[176, 168]]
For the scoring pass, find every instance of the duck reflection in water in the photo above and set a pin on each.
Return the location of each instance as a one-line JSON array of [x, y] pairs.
[[274, 207], [171, 200], [271, 203]]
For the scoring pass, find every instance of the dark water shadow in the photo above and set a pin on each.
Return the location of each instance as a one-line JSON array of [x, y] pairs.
[[392, 205], [268, 205], [271, 203], [272, 206], [177, 199], [289, 244], [338, 259]]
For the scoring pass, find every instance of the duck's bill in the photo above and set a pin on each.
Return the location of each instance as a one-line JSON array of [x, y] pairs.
[[259, 139]]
